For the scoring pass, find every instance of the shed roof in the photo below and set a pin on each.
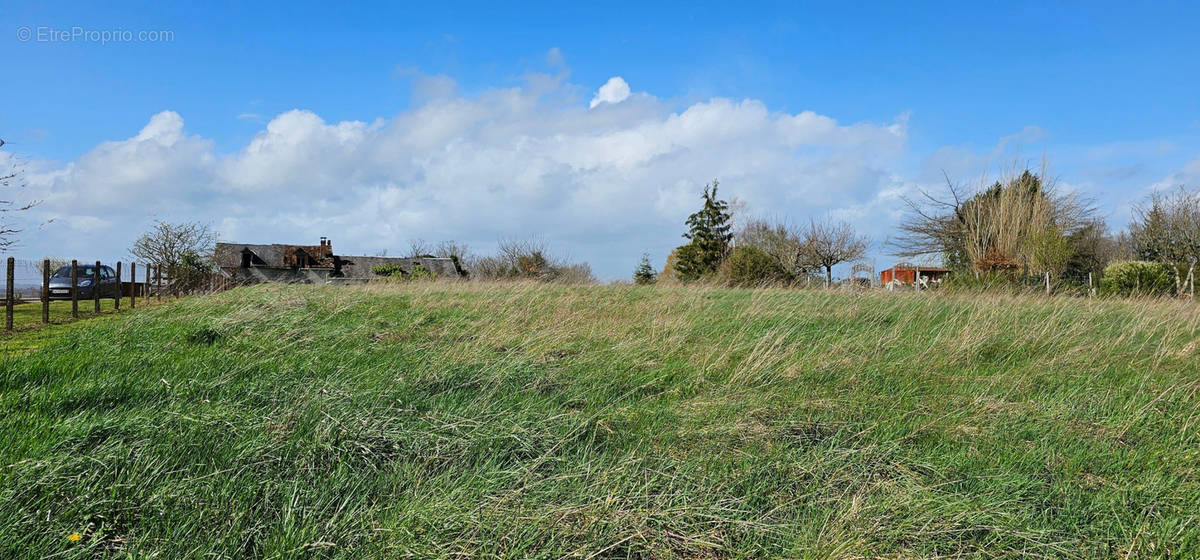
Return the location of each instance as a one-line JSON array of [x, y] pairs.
[[922, 268]]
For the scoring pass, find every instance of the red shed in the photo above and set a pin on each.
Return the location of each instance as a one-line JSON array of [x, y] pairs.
[[907, 274]]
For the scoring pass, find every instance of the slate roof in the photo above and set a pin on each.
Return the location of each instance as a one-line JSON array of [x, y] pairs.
[[229, 255], [361, 266], [275, 255]]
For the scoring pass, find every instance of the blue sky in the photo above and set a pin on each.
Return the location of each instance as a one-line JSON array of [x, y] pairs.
[[475, 121]]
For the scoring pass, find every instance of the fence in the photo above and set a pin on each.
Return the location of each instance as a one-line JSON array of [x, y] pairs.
[[49, 280], [1077, 284], [1080, 284]]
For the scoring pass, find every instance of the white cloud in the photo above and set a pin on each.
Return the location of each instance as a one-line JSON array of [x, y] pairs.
[[427, 88], [158, 165], [513, 162], [1188, 176], [615, 90]]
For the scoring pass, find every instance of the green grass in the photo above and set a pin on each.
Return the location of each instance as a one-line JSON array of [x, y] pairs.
[[28, 316], [30, 313], [468, 421]]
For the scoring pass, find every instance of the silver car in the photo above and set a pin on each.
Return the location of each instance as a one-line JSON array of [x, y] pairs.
[[60, 282]]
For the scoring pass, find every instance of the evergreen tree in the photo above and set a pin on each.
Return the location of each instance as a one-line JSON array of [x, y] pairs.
[[644, 273], [710, 233]]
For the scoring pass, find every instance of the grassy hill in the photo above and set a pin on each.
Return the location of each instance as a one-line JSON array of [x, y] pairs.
[[467, 421]]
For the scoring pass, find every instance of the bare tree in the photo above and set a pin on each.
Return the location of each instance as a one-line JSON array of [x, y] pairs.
[[777, 240], [530, 260], [827, 244], [1017, 222], [1166, 229], [452, 249], [55, 264], [172, 245], [1093, 247], [738, 217], [460, 253], [418, 248], [11, 180], [182, 251]]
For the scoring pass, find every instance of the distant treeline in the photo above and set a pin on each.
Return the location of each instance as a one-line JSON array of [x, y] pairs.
[[998, 235]]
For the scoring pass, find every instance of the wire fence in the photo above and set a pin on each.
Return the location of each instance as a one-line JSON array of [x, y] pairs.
[[71, 289], [27, 273], [1072, 284]]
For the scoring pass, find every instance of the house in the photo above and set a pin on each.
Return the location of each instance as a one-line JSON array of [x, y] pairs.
[[313, 264], [905, 274]]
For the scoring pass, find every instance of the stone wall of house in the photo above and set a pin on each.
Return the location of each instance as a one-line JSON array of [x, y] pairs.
[[258, 275]]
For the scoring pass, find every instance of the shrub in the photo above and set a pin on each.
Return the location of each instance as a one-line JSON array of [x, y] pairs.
[[1137, 278], [492, 268], [394, 271], [534, 265], [192, 273], [644, 275], [530, 260], [390, 269], [668, 274], [419, 272], [751, 266], [687, 265], [576, 273]]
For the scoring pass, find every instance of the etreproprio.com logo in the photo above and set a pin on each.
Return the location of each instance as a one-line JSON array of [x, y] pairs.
[[79, 34]]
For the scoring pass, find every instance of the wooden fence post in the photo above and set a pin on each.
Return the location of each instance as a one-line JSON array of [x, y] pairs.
[[1047, 282], [146, 293], [8, 294], [96, 287], [117, 300], [158, 281], [74, 289], [45, 291], [133, 285]]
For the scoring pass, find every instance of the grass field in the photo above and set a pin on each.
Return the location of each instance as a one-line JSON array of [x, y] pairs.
[[474, 421], [28, 316]]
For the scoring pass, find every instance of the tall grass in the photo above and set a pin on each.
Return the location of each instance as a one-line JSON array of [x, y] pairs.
[[533, 421]]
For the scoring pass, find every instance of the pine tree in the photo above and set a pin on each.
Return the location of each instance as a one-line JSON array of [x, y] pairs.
[[710, 233], [644, 273]]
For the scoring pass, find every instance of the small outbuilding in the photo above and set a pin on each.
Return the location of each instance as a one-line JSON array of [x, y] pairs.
[[908, 274]]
